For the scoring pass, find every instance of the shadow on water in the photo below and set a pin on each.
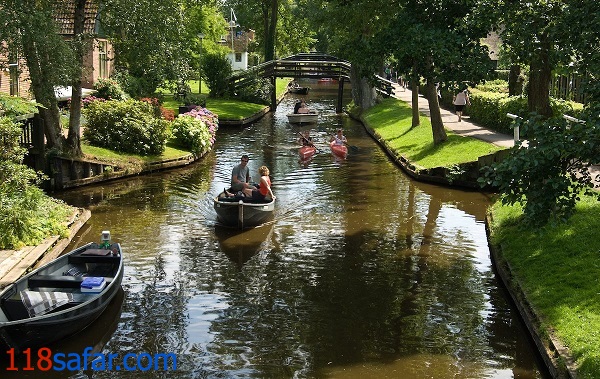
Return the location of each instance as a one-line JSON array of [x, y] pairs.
[[241, 245]]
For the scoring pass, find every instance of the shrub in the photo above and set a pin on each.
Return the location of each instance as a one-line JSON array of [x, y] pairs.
[[26, 214], [216, 70], [16, 106], [194, 99], [127, 126], [196, 130], [256, 90], [109, 89], [548, 176]]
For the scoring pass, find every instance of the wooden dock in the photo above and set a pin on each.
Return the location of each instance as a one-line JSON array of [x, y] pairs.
[[15, 263]]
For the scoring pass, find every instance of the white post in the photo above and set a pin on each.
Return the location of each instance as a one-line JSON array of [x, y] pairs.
[[516, 127]]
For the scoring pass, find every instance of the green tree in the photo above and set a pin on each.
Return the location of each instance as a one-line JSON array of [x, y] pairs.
[[157, 40], [439, 42], [29, 30]]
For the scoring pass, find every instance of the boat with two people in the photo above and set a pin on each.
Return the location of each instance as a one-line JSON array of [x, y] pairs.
[[62, 297], [242, 211], [302, 114]]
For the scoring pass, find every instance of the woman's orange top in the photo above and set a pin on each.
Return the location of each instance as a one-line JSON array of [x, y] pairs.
[[264, 190]]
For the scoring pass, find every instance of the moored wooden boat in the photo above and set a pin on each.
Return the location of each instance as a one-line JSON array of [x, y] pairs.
[[242, 213], [50, 303], [302, 118], [338, 150], [306, 152]]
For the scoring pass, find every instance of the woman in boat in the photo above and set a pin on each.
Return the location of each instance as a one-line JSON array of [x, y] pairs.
[[263, 192], [339, 138], [305, 139], [303, 108]]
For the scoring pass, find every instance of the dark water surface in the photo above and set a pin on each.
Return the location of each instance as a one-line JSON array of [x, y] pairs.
[[363, 273]]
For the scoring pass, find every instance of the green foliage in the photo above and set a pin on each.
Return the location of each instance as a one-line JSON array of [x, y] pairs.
[[109, 89], [126, 126], [195, 130], [133, 86], [549, 175], [216, 68], [496, 85], [258, 91], [26, 214], [194, 99], [16, 106]]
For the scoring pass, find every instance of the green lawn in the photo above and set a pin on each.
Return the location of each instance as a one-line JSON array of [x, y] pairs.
[[107, 155], [558, 266], [392, 120]]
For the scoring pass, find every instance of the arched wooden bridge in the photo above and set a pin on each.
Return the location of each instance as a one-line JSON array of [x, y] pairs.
[[306, 66]]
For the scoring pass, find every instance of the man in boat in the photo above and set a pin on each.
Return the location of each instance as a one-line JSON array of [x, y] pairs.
[[240, 176]]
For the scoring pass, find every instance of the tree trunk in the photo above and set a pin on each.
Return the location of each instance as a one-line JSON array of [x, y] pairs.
[[515, 82], [363, 94], [43, 91], [437, 126], [270, 28], [538, 98], [79, 44], [414, 87]]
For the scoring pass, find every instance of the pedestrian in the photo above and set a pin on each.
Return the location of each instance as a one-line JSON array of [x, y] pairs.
[[460, 100]]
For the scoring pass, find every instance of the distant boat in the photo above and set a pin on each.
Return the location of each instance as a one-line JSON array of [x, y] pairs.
[[327, 80], [338, 150], [242, 213], [53, 302], [299, 90], [303, 118]]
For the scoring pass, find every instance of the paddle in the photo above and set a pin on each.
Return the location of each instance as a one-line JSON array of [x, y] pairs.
[[310, 142], [352, 147]]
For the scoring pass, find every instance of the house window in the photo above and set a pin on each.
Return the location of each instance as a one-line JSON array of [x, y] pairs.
[[238, 57], [14, 79], [102, 59]]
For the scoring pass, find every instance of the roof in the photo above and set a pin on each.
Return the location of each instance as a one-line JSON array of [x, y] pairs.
[[63, 15]]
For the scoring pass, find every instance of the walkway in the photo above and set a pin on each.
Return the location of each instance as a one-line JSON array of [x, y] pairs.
[[465, 127]]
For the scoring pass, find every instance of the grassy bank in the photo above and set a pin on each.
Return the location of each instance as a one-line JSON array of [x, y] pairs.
[[558, 266], [392, 120]]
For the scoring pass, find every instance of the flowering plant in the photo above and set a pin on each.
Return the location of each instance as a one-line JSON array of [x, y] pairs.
[[196, 130]]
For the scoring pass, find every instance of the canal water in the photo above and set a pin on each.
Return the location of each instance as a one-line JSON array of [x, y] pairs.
[[363, 273]]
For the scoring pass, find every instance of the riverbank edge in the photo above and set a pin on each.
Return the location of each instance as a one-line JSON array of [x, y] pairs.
[[556, 356], [256, 116], [32, 257], [468, 171]]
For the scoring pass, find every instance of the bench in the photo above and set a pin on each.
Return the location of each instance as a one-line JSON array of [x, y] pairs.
[[89, 258], [57, 281]]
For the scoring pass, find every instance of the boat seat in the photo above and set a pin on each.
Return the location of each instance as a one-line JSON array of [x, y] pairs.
[[247, 201], [83, 258], [14, 309], [57, 281]]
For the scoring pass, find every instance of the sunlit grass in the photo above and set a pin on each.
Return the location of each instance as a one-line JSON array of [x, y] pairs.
[[392, 120], [107, 155], [558, 266]]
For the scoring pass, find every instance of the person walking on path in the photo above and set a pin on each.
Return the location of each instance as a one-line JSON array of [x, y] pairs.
[[460, 100]]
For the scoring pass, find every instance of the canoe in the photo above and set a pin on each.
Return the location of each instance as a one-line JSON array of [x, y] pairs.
[[302, 118], [338, 150], [53, 302], [307, 152], [241, 213], [299, 90]]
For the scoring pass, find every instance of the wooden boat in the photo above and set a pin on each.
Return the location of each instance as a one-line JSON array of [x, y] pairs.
[[303, 118], [50, 303], [338, 150], [242, 213], [299, 90], [306, 152]]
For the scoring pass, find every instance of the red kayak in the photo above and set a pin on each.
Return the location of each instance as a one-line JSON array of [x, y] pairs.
[[306, 152], [338, 150]]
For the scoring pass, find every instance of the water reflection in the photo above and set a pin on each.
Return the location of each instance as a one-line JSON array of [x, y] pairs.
[[362, 273]]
